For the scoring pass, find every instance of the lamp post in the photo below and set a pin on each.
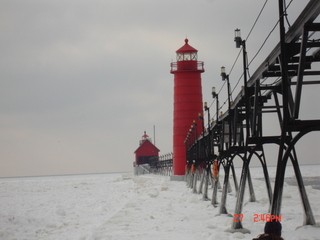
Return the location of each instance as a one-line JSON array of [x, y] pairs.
[[208, 157], [206, 108], [200, 117], [216, 96], [245, 170], [195, 161], [239, 43], [226, 77]]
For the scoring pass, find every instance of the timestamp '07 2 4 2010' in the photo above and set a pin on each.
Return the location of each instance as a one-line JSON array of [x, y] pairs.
[[261, 217]]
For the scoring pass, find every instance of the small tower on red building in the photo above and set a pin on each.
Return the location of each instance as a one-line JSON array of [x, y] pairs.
[[187, 101], [146, 152]]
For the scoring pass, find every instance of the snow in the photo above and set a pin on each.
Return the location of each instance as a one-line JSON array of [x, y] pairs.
[[122, 206]]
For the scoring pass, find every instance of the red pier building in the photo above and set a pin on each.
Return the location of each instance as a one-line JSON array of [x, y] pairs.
[[146, 152]]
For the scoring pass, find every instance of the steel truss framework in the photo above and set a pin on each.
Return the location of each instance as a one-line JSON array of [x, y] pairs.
[[238, 132]]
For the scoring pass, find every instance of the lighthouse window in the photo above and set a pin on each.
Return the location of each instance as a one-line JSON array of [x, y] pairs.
[[186, 57]]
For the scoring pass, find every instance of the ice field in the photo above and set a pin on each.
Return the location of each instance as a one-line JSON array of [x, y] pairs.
[[122, 206]]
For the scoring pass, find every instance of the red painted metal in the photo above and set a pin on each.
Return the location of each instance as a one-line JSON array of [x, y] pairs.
[[187, 101], [146, 150]]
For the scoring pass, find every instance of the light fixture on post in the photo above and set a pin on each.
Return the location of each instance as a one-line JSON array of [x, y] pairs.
[[226, 77], [215, 95], [237, 38], [206, 108], [239, 43], [223, 73]]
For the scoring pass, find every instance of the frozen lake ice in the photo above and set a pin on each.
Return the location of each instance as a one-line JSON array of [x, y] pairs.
[[123, 206]]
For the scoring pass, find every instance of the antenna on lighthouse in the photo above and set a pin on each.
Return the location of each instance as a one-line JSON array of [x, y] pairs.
[[154, 134]]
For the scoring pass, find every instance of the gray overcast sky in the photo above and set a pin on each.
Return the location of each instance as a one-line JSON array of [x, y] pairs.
[[81, 80]]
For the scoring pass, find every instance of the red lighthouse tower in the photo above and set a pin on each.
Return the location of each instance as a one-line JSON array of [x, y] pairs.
[[187, 101]]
